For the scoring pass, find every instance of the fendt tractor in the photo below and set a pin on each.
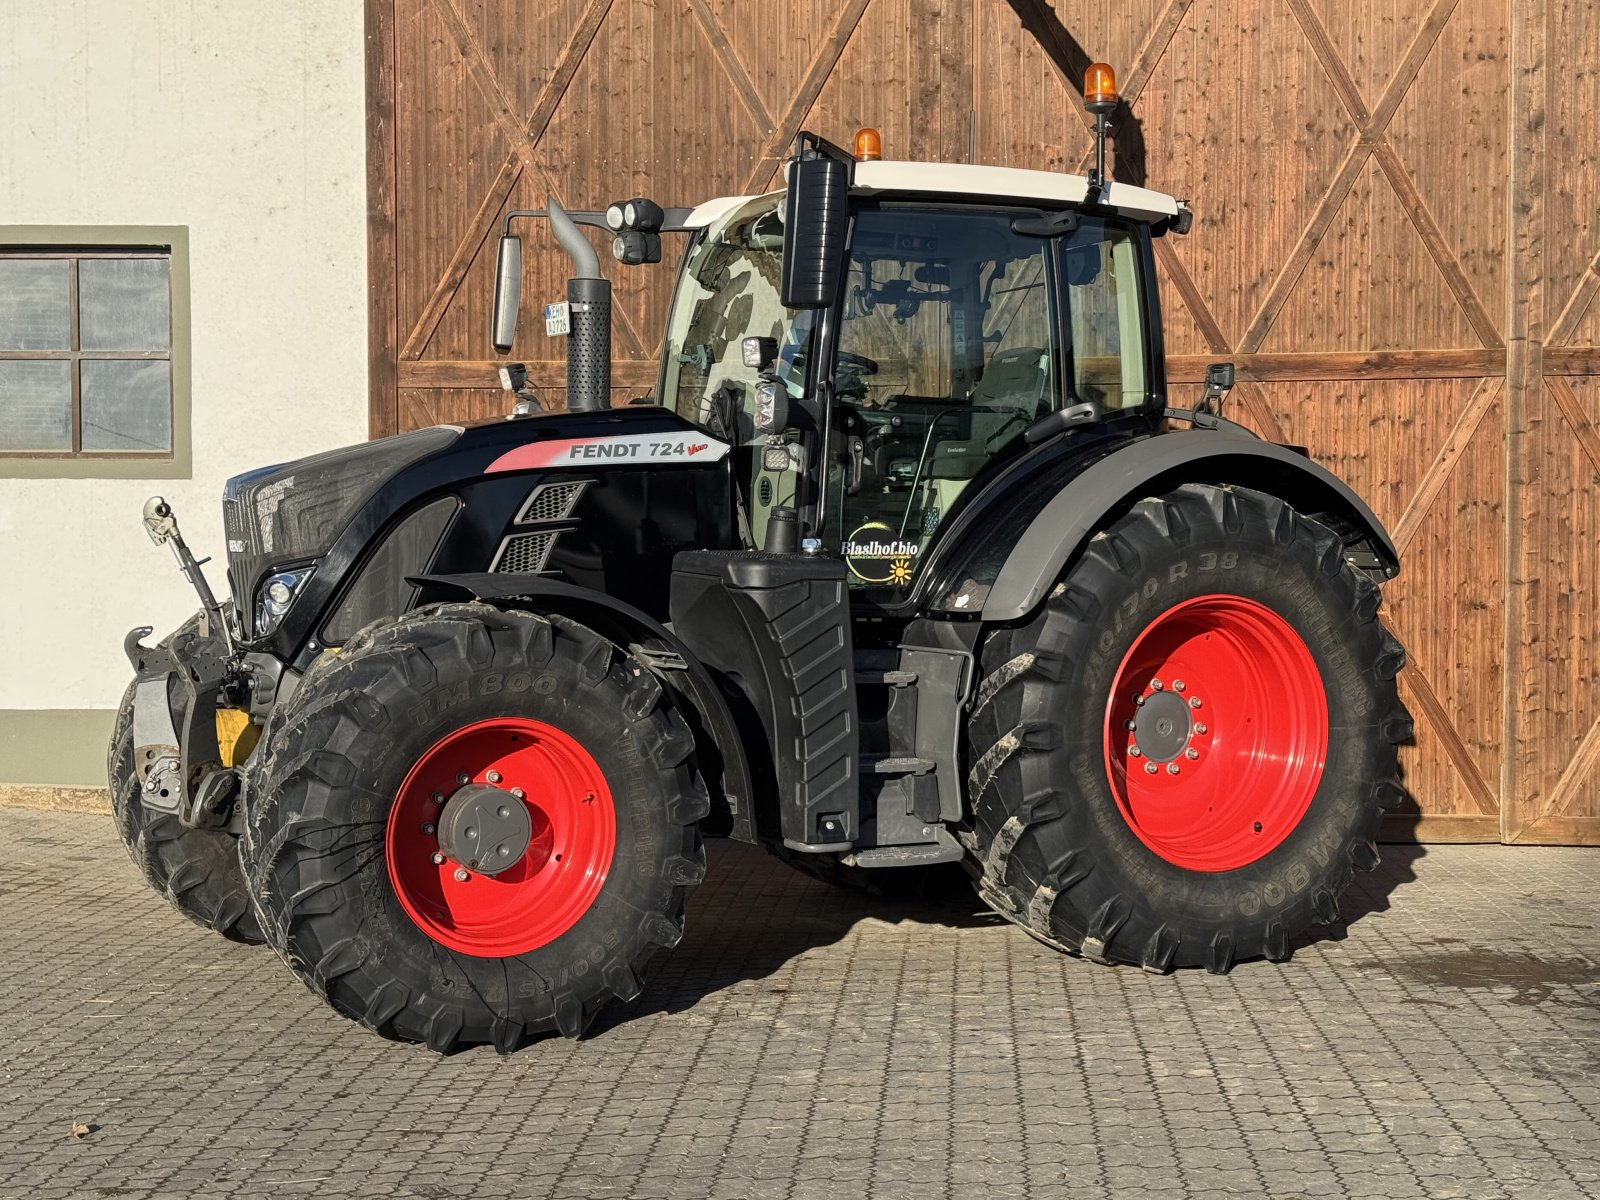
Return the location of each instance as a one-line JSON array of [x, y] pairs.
[[906, 562]]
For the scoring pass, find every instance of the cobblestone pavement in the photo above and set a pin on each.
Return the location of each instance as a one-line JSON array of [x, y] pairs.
[[804, 1042]]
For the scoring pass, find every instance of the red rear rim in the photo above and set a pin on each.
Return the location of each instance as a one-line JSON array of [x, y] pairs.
[[551, 886], [1216, 733]]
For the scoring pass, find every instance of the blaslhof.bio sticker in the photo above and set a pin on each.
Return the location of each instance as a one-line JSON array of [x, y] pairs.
[[875, 553]]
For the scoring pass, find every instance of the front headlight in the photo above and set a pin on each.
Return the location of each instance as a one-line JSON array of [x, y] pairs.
[[277, 593]]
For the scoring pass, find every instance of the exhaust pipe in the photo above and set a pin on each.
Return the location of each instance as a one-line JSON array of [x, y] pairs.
[[589, 298]]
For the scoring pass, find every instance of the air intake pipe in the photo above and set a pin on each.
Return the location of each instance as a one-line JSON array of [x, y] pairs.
[[589, 298]]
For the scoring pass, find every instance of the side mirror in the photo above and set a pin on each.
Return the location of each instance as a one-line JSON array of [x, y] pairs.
[[507, 293], [816, 216]]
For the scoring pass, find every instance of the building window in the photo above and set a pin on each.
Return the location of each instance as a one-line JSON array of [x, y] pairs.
[[93, 352]]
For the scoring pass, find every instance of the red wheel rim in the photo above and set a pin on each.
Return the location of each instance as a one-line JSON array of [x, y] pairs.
[[551, 886], [1222, 698]]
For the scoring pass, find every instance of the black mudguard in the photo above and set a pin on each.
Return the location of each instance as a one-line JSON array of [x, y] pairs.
[[718, 745], [1007, 587]]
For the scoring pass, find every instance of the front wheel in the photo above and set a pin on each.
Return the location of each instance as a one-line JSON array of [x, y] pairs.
[[475, 826], [1185, 755]]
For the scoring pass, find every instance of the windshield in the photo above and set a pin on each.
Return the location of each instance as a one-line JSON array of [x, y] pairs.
[[957, 333], [728, 292]]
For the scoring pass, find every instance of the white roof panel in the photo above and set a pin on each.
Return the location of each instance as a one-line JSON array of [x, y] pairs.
[[967, 179]]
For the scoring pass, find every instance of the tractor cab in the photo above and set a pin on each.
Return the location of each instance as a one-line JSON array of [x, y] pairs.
[[970, 304]]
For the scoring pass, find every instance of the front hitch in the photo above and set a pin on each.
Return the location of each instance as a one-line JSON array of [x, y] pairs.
[[177, 687]]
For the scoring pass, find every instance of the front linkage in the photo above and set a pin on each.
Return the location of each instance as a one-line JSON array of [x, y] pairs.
[[179, 686]]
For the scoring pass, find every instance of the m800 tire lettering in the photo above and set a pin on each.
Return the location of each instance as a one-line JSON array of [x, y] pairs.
[[906, 567]]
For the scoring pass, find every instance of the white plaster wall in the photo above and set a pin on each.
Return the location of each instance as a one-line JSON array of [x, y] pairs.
[[243, 120]]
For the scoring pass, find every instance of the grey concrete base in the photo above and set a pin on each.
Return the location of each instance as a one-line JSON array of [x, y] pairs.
[[811, 1044]]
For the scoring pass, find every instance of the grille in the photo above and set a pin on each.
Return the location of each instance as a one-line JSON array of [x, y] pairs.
[[524, 553], [551, 502]]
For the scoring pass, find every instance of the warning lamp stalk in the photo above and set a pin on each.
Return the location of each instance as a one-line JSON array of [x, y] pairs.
[[1099, 98]]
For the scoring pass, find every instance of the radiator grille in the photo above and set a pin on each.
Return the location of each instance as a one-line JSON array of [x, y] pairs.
[[551, 502], [524, 553]]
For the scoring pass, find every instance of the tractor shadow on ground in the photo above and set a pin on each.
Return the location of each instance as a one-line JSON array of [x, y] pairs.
[[754, 915], [1367, 894]]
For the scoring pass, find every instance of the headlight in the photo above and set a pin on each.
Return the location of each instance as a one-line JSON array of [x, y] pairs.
[[277, 594]]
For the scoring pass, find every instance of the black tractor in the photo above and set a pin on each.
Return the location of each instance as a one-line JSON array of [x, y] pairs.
[[906, 562]]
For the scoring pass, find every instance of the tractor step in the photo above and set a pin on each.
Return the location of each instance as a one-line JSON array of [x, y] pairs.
[[897, 679], [896, 765]]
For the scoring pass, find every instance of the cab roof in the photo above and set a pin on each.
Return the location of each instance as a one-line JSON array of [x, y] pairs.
[[934, 180]]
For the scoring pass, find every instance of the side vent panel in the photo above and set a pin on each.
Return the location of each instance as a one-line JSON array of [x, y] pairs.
[[524, 553], [551, 502]]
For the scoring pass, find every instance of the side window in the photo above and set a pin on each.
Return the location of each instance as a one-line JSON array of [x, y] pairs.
[[1100, 267]]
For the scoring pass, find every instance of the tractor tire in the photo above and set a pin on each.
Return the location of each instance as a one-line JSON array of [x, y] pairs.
[[197, 870], [367, 769], [1220, 637]]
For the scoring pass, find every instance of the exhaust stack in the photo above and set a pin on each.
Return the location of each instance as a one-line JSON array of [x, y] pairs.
[[589, 298]]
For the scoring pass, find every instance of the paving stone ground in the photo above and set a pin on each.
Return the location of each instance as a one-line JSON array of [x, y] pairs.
[[808, 1043]]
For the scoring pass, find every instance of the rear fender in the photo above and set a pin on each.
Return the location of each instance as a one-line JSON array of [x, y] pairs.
[[1152, 466], [718, 745]]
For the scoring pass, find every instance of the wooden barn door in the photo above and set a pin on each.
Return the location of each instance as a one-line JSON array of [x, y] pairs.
[[1352, 167]]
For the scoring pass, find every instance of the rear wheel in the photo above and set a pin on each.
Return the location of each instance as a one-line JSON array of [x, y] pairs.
[[474, 826], [197, 870], [1185, 755]]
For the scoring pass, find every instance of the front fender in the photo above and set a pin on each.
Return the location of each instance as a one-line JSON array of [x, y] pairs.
[[718, 745], [1151, 466]]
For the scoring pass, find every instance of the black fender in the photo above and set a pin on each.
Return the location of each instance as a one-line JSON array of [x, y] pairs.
[[718, 744], [1152, 465]]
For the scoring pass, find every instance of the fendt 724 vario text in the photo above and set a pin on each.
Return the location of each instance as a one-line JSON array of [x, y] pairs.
[[906, 562]]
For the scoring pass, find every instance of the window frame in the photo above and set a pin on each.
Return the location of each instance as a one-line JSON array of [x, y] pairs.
[[109, 241]]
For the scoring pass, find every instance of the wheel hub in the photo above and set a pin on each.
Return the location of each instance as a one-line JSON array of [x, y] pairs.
[[1161, 728], [485, 829]]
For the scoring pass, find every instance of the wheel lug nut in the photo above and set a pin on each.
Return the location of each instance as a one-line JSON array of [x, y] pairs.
[[427, 828], [463, 777], [1177, 685], [1156, 685], [1130, 725], [1194, 701], [519, 793], [1150, 768], [1199, 728], [1172, 768], [438, 858], [1134, 752], [1139, 701], [461, 875], [493, 776], [438, 797], [1191, 753]]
